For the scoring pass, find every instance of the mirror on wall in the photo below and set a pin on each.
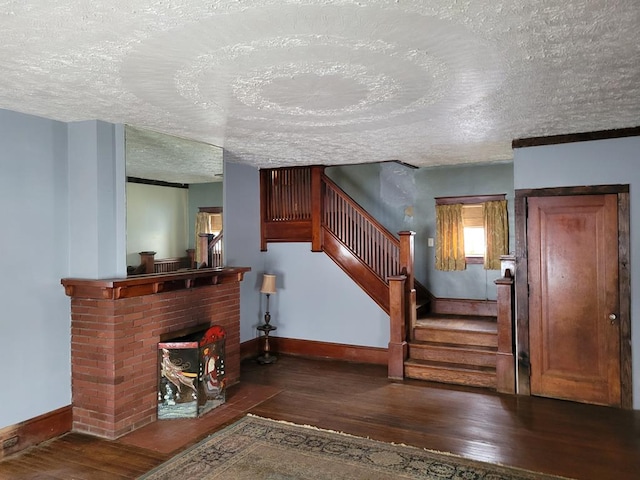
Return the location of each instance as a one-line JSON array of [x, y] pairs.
[[169, 179]]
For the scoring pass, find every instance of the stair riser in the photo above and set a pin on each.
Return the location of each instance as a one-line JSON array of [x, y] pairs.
[[460, 338], [444, 375], [453, 355]]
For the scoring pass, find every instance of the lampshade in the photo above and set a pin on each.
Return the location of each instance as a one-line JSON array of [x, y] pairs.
[[268, 284]]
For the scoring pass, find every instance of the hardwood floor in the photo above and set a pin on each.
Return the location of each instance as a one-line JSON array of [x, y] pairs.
[[551, 436]]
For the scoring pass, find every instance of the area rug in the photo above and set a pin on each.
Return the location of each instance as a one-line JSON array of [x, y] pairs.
[[259, 448]]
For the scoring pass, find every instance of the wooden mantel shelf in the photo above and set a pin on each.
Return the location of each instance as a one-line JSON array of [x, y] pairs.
[[116, 288]]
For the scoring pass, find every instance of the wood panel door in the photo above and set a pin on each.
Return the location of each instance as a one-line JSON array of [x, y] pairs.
[[574, 329]]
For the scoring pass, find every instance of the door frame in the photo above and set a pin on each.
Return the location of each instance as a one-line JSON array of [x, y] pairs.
[[523, 367]]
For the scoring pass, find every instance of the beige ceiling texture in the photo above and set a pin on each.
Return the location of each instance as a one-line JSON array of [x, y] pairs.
[[426, 82]]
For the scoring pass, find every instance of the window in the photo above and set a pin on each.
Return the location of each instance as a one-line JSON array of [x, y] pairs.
[[471, 230], [473, 226]]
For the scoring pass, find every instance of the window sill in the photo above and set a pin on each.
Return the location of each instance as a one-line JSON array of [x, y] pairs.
[[474, 260]]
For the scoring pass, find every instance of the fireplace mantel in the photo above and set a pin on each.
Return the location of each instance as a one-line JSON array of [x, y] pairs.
[[136, 286], [116, 325]]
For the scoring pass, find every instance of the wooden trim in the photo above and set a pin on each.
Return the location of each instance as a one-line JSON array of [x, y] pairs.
[[523, 365], [575, 137], [624, 279], [157, 183], [334, 351], [404, 164], [264, 186], [115, 288], [522, 281], [474, 260], [398, 348], [586, 190], [210, 209], [368, 280], [290, 231], [35, 430], [470, 199], [459, 306], [250, 348], [505, 362], [317, 197]]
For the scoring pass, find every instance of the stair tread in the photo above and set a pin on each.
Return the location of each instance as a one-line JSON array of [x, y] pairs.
[[450, 366], [457, 346], [459, 322]]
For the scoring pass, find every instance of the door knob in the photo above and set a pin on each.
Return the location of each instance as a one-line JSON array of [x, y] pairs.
[[612, 317]]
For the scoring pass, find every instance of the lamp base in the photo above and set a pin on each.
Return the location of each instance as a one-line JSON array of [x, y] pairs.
[[267, 359]]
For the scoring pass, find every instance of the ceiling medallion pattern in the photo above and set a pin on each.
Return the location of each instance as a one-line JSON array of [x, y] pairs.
[[250, 89], [325, 72], [282, 82]]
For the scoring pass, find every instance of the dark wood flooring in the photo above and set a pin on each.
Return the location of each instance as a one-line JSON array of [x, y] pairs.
[[539, 434]]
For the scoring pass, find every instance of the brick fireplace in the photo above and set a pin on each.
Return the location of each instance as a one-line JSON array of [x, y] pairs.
[[115, 328]]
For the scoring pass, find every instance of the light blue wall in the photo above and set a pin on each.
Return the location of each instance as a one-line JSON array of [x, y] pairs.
[[35, 318], [602, 162], [402, 198], [97, 214], [315, 299], [202, 195], [63, 215], [242, 237]]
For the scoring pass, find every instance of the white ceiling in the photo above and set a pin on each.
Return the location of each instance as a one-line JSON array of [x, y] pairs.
[[276, 83]]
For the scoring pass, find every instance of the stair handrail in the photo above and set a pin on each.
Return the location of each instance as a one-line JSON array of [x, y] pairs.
[[399, 261], [378, 233]]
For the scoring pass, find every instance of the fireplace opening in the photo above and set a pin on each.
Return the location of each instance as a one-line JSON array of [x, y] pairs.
[[191, 373]]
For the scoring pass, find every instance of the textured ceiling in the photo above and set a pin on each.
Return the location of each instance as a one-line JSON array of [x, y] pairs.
[[329, 82]]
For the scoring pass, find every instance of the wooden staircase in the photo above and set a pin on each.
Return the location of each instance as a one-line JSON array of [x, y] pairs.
[[457, 349], [467, 342]]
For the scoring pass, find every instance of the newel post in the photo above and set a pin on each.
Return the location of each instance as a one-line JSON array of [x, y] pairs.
[[397, 330], [406, 268], [505, 359], [191, 254], [203, 250], [148, 260]]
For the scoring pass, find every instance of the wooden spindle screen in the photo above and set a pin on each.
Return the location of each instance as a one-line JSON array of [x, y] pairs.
[[288, 195], [362, 234]]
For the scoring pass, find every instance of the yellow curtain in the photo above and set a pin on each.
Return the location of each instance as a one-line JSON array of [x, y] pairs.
[[450, 238], [203, 225], [496, 233]]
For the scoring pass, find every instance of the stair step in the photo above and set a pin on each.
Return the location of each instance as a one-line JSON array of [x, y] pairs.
[[453, 353], [458, 329], [453, 373], [459, 322]]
